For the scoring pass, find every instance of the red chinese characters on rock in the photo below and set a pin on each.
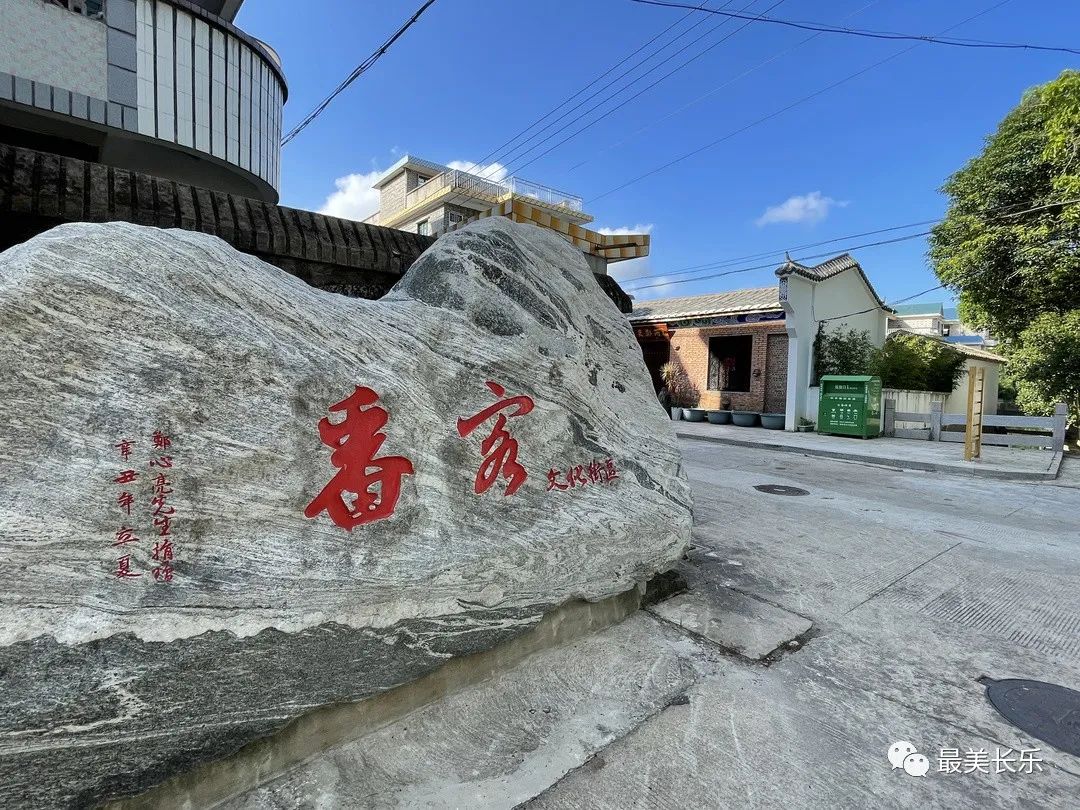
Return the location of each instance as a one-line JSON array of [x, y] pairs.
[[161, 513], [581, 475], [500, 449], [355, 441], [124, 500]]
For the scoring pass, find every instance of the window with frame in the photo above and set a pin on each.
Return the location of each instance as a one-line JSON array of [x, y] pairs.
[[730, 361], [423, 228]]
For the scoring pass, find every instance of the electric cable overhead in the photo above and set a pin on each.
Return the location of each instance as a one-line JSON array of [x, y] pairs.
[[773, 264], [622, 103], [356, 73], [653, 122], [719, 263], [890, 35], [628, 85], [788, 107], [889, 304], [498, 150]]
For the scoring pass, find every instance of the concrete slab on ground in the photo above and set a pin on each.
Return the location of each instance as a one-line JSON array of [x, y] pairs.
[[502, 742], [737, 622], [917, 585], [1015, 463]]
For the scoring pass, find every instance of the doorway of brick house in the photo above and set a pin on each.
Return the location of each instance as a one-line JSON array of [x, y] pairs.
[[655, 354], [776, 353]]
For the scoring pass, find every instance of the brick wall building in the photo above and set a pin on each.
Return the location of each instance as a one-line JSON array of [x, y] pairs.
[[731, 345], [755, 347]]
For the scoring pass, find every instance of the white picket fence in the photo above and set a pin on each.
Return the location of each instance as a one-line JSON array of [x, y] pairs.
[[897, 422]]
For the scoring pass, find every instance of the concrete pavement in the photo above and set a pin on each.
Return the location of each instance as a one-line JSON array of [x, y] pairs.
[[817, 630], [1008, 463]]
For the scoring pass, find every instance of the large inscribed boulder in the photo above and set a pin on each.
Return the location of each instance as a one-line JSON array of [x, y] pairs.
[[228, 498]]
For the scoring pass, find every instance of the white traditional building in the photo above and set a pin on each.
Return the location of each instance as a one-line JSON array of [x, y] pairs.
[[835, 294], [763, 338]]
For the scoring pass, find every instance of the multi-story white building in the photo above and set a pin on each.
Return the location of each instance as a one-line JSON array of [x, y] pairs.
[[429, 198], [171, 88], [939, 321]]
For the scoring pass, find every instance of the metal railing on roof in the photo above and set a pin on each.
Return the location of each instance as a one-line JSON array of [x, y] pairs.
[[492, 190]]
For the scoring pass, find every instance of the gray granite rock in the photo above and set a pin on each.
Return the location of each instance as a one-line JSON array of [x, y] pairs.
[[284, 594]]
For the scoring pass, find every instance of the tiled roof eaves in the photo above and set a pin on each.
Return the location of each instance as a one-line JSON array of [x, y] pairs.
[[794, 268], [705, 313]]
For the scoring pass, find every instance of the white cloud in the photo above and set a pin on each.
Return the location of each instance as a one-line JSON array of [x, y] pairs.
[[805, 208], [630, 269], [489, 171], [354, 198], [635, 229]]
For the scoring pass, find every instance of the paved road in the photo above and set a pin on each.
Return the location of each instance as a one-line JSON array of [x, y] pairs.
[[818, 629]]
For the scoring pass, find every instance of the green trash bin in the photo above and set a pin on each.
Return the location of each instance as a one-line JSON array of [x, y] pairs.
[[850, 405]]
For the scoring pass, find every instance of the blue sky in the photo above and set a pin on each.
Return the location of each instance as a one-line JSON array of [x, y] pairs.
[[868, 154]]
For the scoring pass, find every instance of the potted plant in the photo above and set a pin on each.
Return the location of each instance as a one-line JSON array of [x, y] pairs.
[[684, 396], [744, 418], [691, 412], [721, 417], [805, 425], [772, 421]]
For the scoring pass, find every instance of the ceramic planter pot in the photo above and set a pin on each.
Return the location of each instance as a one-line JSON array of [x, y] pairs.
[[719, 417], [693, 414], [772, 421], [744, 418]]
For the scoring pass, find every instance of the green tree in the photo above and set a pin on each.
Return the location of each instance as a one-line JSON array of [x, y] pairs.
[[918, 363], [1045, 364], [1008, 268], [842, 352]]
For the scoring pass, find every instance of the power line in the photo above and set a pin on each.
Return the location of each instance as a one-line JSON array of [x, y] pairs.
[[889, 304], [357, 72], [773, 263], [619, 105], [891, 35], [753, 256], [991, 213], [653, 122], [629, 84], [790, 106], [585, 87]]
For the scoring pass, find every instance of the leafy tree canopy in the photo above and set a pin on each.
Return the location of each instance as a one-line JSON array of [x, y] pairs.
[[1016, 273], [1045, 363], [1009, 269], [842, 352], [906, 362], [918, 363]]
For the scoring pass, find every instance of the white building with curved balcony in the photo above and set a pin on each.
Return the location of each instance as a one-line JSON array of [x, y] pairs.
[[171, 88]]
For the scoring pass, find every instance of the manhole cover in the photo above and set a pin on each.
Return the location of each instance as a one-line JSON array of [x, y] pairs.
[[780, 489], [1044, 710]]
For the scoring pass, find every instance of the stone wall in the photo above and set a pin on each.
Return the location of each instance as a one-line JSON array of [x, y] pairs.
[[40, 190]]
